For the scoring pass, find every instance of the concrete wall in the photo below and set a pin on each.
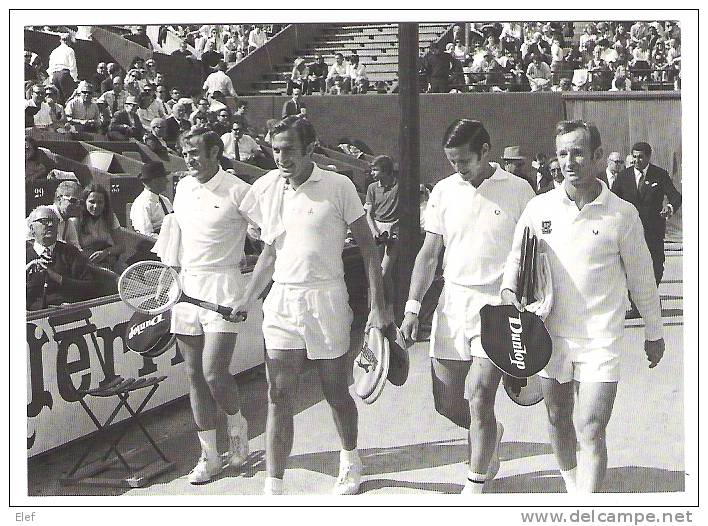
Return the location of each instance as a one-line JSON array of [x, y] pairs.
[[626, 118], [511, 118]]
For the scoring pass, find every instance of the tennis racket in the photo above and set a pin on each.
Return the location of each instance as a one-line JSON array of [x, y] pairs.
[[152, 287]]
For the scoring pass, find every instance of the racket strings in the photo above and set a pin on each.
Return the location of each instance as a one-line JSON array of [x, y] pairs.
[[149, 287]]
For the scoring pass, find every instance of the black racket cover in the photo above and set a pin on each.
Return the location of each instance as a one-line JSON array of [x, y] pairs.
[[145, 331], [523, 391], [516, 342]]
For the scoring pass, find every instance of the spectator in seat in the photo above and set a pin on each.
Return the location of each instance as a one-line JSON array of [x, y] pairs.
[[294, 106], [210, 57], [183, 50], [590, 35], [113, 70], [202, 111], [67, 204], [96, 224], [62, 68], [318, 75], [437, 66], [565, 84], [175, 95], [37, 111], [37, 165], [30, 70], [217, 102], [231, 143], [150, 108], [57, 111], [151, 206], [539, 74], [641, 56], [139, 36], [156, 138], [56, 272], [621, 81], [557, 59], [357, 78], [81, 112], [535, 46], [256, 38], [100, 75], [622, 36], [150, 71], [133, 82], [600, 74], [219, 81], [126, 124], [339, 68], [114, 100], [639, 31], [231, 48], [177, 122], [248, 149], [223, 122], [299, 76]]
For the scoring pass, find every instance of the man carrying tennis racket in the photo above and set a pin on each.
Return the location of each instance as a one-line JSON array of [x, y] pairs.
[[303, 212], [472, 215], [212, 235], [595, 245]]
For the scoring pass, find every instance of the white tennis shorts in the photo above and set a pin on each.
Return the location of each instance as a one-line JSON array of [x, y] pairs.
[[584, 359], [224, 287], [456, 328], [316, 317]]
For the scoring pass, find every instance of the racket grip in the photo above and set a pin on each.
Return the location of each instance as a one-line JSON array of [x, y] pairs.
[[226, 312]]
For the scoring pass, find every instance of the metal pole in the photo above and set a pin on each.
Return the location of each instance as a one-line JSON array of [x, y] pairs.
[[409, 161]]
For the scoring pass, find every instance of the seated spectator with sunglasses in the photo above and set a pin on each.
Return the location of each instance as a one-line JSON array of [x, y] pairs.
[[56, 272], [82, 112]]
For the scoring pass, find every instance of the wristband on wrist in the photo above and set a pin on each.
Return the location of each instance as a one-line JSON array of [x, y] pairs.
[[412, 306]]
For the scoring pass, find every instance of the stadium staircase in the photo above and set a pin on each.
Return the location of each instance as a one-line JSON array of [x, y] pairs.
[[376, 45]]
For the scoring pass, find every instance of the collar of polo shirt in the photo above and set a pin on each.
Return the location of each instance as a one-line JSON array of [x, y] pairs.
[[601, 199], [315, 176], [212, 183], [498, 174]]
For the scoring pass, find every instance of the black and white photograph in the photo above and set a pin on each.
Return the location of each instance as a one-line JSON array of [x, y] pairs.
[[357, 258]]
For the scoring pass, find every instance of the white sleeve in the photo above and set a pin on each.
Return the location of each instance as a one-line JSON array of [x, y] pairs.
[[433, 213], [351, 207]]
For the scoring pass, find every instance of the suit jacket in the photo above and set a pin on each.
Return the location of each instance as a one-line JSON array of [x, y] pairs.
[[290, 108], [153, 142], [649, 200], [121, 117], [78, 283]]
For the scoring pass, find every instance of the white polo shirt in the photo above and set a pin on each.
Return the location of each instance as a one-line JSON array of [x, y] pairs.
[[213, 231], [477, 224], [315, 218], [595, 254]]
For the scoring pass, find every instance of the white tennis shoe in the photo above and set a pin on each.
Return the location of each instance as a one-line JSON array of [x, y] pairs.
[[205, 470], [349, 478]]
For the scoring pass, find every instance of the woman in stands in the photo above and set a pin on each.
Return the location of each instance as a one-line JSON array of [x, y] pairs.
[[96, 226], [299, 76], [37, 165]]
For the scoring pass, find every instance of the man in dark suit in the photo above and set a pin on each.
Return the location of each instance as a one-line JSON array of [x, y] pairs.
[[645, 186], [515, 163], [294, 106], [56, 272], [556, 179], [126, 124]]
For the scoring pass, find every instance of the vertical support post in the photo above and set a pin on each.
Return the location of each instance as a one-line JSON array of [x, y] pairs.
[[409, 160]]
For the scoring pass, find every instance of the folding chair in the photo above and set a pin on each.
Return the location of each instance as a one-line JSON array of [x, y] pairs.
[[105, 469]]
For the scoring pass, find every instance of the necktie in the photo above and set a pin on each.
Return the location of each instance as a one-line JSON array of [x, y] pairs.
[[162, 203], [640, 184]]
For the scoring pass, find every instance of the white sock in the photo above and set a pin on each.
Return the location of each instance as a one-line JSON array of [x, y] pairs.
[[208, 441], [236, 420], [273, 486], [569, 478], [349, 457], [475, 481]]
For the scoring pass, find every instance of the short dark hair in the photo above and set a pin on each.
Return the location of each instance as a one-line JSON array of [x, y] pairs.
[[302, 127], [466, 131], [206, 136], [338, 55], [383, 162], [564, 127], [642, 147]]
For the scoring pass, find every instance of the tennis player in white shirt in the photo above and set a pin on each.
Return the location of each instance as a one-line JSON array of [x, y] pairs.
[[303, 212], [595, 245], [212, 235]]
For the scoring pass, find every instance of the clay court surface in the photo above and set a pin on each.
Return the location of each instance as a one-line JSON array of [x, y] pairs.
[[408, 448]]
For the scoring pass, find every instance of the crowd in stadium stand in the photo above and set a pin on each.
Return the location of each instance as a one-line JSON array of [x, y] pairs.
[[137, 104], [538, 56]]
